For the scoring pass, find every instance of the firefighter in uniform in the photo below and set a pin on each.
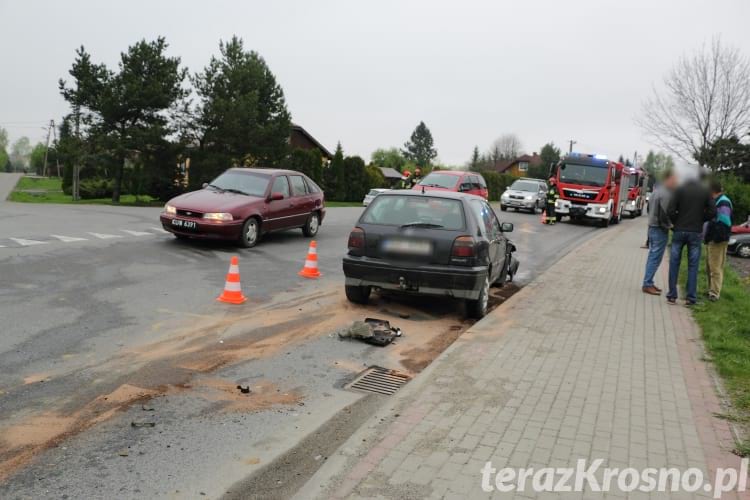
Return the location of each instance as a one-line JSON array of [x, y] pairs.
[[552, 195]]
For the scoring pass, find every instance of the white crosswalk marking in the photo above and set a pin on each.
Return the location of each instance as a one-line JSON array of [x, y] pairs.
[[67, 239], [103, 236], [136, 233], [27, 243]]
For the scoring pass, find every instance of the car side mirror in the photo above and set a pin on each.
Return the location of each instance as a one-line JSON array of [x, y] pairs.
[[204, 185], [276, 196], [506, 227]]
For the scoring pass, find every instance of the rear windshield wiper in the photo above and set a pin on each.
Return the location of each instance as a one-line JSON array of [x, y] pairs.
[[422, 224]]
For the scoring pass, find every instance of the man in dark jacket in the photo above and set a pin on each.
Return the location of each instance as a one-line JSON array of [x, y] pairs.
[[690, 206], [658, 230]]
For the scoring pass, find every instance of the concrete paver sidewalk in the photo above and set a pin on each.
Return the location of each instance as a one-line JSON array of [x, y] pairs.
[[579, 364]]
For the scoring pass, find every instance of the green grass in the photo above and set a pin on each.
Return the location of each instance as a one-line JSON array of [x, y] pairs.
[[45, 183], [726, 333], [334, 204], [49, 190]]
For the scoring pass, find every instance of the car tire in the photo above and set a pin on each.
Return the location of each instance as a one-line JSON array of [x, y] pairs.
[[358, 294], [743, 250], [604, 223], [503, 208], [250, 233], [478, 308], [312, 225], [181, 237]]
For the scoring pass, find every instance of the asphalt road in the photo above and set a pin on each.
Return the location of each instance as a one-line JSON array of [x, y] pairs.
[[118, 369]]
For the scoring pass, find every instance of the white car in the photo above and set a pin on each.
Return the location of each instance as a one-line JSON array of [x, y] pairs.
[[371, 195]]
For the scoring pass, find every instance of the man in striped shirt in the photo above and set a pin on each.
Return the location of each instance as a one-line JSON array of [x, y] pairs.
[[717, 235]]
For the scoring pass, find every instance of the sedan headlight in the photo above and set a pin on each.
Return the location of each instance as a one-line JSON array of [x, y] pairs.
[[529, 198], [732, 241], [222, 216], [504, 196], [170, 209]]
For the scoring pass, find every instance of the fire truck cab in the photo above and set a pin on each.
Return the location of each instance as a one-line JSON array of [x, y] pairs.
[[591, 188], [637, 185]]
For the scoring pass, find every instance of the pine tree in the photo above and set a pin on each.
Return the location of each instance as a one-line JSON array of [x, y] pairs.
[[476, 159], [420, 147]]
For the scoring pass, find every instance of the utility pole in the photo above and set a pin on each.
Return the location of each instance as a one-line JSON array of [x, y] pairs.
[[571, 145], [57, 156], [46, 149]]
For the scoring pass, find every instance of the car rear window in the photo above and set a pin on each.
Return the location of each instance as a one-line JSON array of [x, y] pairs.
[[394, 210], [436, 179], [298, 185]]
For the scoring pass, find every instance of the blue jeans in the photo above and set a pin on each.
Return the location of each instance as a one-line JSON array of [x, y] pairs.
[[657, 243], [681, 239]]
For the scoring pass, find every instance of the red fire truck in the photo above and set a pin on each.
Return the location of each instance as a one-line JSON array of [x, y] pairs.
[[591, 188], [637, 185]]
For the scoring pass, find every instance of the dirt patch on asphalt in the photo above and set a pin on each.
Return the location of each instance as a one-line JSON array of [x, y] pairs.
[[35, 378], [262, 395]]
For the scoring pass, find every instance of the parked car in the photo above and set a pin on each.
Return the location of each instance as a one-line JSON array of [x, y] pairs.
[[371, 195], [432, 243], [739, 245], [524, 194], [244, 203], [742, 228], [450, 180]]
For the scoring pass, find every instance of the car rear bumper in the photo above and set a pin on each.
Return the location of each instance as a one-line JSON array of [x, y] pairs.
[[451, 281], [205, 230]]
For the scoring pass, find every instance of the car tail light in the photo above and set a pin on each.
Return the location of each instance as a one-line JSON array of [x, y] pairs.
[[464, 248], [357, 241]]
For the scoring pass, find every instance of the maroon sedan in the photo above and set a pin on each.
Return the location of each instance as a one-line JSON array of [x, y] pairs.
[[244, 203]]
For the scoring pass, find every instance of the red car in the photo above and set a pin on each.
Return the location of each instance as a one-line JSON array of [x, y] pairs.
[[453, 180], [244, 203]]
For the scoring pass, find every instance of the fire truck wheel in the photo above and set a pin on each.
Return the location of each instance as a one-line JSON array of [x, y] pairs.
[[604, 223]]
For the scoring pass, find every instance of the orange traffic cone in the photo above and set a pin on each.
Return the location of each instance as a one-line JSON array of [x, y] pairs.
[[311, 263], [232, 293]]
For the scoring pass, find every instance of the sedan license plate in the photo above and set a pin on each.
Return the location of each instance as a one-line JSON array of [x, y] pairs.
[[187, 225], [409, 247]]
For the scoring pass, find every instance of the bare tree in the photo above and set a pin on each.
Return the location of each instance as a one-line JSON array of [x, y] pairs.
[[506, 147], [705, 97]]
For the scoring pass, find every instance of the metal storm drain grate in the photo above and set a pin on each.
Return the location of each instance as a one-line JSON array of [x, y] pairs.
[[379, 380]]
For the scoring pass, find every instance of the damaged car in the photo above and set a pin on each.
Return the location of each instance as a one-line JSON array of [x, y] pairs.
[[430, 243]]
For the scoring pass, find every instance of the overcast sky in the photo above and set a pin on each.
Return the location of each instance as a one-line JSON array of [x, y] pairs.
[[366, 72]]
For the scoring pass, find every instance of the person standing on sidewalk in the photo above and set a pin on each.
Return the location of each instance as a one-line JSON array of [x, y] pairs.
[[717, 235], [689, 208], [658, 230]]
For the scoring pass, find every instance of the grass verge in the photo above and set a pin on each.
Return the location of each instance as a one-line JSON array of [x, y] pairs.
[[49, 190], [726, 334]]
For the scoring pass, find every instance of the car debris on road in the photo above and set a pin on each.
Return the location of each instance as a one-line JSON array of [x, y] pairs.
[[373, 331]]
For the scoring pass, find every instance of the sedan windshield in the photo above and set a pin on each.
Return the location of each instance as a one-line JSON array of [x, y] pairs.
[[525, 186], [586, 175], [251, 184], [415, 211], [436, 179]]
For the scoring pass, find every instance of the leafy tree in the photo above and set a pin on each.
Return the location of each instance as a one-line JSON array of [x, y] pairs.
[[36, 159], [549, 155], [388, 158], [20, 152], [727, 154], [309, 162], [242, 118], [4, 161], [127, 110], [355, 178], [420, 147], [3, 139]]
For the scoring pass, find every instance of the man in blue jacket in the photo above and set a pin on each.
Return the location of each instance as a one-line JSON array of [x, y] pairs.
[[718, 231]]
